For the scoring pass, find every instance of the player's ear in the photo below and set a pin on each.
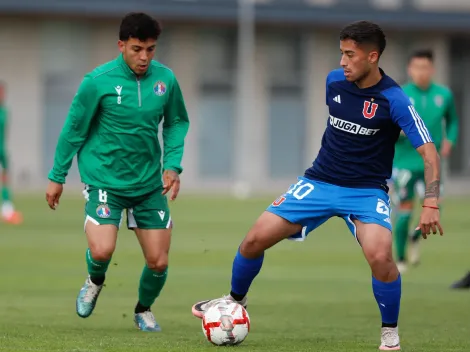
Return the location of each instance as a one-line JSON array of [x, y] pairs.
[[373, 57], [121, 45]]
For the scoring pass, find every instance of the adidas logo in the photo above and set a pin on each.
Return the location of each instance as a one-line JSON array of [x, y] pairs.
[[337, 99]]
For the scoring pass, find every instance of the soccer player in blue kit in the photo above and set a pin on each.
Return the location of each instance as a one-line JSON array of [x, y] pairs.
[[367, 111]]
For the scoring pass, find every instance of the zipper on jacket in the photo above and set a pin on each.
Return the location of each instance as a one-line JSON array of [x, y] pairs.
[[138, 91]]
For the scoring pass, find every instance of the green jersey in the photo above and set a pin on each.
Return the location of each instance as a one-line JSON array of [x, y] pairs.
[[3, 127], [113, 126], [435, 106]]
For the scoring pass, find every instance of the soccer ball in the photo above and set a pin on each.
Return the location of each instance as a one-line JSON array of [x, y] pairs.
[[226, 323]]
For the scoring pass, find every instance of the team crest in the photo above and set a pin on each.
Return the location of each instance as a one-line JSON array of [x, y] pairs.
[[103, 211], [159, 88], [438, 100], [369, 109]]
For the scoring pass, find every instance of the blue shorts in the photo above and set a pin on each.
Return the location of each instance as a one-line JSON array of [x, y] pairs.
[[310, 203]]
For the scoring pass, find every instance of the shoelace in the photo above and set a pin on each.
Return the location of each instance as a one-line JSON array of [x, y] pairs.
[[389, 337], [148, 318], [91, 292]]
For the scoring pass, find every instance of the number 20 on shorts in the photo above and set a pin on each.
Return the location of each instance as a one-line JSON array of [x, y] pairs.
[[300, 190]]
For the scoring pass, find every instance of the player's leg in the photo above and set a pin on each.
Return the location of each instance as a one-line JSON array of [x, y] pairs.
[[103, 215], [9, 214], [293, 215], [404, 187], [376, 242], [368, 217], [151, 221]]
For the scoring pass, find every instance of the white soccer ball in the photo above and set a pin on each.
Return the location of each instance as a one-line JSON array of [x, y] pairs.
[[226, 323]]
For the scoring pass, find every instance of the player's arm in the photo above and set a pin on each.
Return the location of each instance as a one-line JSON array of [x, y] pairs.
[[75, 129], [404, 114], [175, 128]]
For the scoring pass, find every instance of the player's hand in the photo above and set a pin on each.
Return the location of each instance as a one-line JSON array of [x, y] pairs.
[[171, 180], [430, 222], [446, 148], [53, 192]]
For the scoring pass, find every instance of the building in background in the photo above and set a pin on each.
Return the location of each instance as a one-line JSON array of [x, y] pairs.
[[47, 48]]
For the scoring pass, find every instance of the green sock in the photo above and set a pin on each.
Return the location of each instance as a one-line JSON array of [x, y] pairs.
[[151, 284], [5, 194], [401, 234], [96, 269]]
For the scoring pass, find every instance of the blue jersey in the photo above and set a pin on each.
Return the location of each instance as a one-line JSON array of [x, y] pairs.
[[358, 145]]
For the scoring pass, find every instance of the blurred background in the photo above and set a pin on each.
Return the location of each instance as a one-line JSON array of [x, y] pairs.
[[252, 73], [253, 76]]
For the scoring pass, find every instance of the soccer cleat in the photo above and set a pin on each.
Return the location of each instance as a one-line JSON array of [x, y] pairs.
[[402, 267], [14, 218], [200, 308], [145, 321], [463, 283], [87, 298], [390, 340]]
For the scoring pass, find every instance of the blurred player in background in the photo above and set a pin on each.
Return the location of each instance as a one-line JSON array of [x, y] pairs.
[[9, 214], [113, 127], [435, 104], [348, 179]]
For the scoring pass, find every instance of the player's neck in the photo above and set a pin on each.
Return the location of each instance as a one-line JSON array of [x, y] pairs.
[[370, 80]]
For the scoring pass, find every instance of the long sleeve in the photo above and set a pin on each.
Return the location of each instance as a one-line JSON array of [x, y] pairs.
[[452, 122], [175, 128], [75, 130]]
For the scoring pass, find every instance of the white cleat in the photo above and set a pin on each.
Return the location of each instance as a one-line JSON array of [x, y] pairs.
[[201, 307], [414, 252], [402, 267], [390, 340]]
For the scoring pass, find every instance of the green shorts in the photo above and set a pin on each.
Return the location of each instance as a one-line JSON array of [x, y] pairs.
[[408, 184], [3, 160], [149, 211]]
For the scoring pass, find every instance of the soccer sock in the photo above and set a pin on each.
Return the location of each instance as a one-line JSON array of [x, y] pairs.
[[5, 194], [151, 284], [96, 269], [401, 234], [244, 271], [388, 295]]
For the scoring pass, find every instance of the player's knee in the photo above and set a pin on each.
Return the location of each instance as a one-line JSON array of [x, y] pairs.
[[101, 253], [157, 263], [253, 245]]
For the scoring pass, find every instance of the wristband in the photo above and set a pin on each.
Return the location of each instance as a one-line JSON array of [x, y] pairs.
[[430, 206]]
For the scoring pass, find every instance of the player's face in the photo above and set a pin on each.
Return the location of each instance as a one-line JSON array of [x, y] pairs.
[[356, 61], [137, 54], [421, 71]]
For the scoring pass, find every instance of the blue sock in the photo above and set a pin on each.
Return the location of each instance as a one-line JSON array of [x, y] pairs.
[[388, 295], [244, 271]]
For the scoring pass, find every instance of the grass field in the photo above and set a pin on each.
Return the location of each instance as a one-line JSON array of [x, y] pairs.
[[312, 296]]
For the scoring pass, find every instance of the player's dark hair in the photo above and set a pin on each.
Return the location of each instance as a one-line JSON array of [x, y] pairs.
[[422, 54], [365, 32], [140, 26]]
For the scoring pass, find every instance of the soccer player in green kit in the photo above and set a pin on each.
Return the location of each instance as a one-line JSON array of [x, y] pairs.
[[435, 104], [113, 126], [9, 214]]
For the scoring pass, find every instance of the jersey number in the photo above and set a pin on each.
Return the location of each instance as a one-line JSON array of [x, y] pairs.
[[102, 196], [301, 189]]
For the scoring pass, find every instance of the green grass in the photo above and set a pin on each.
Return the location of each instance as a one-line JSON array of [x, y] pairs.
[[312, 296]]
